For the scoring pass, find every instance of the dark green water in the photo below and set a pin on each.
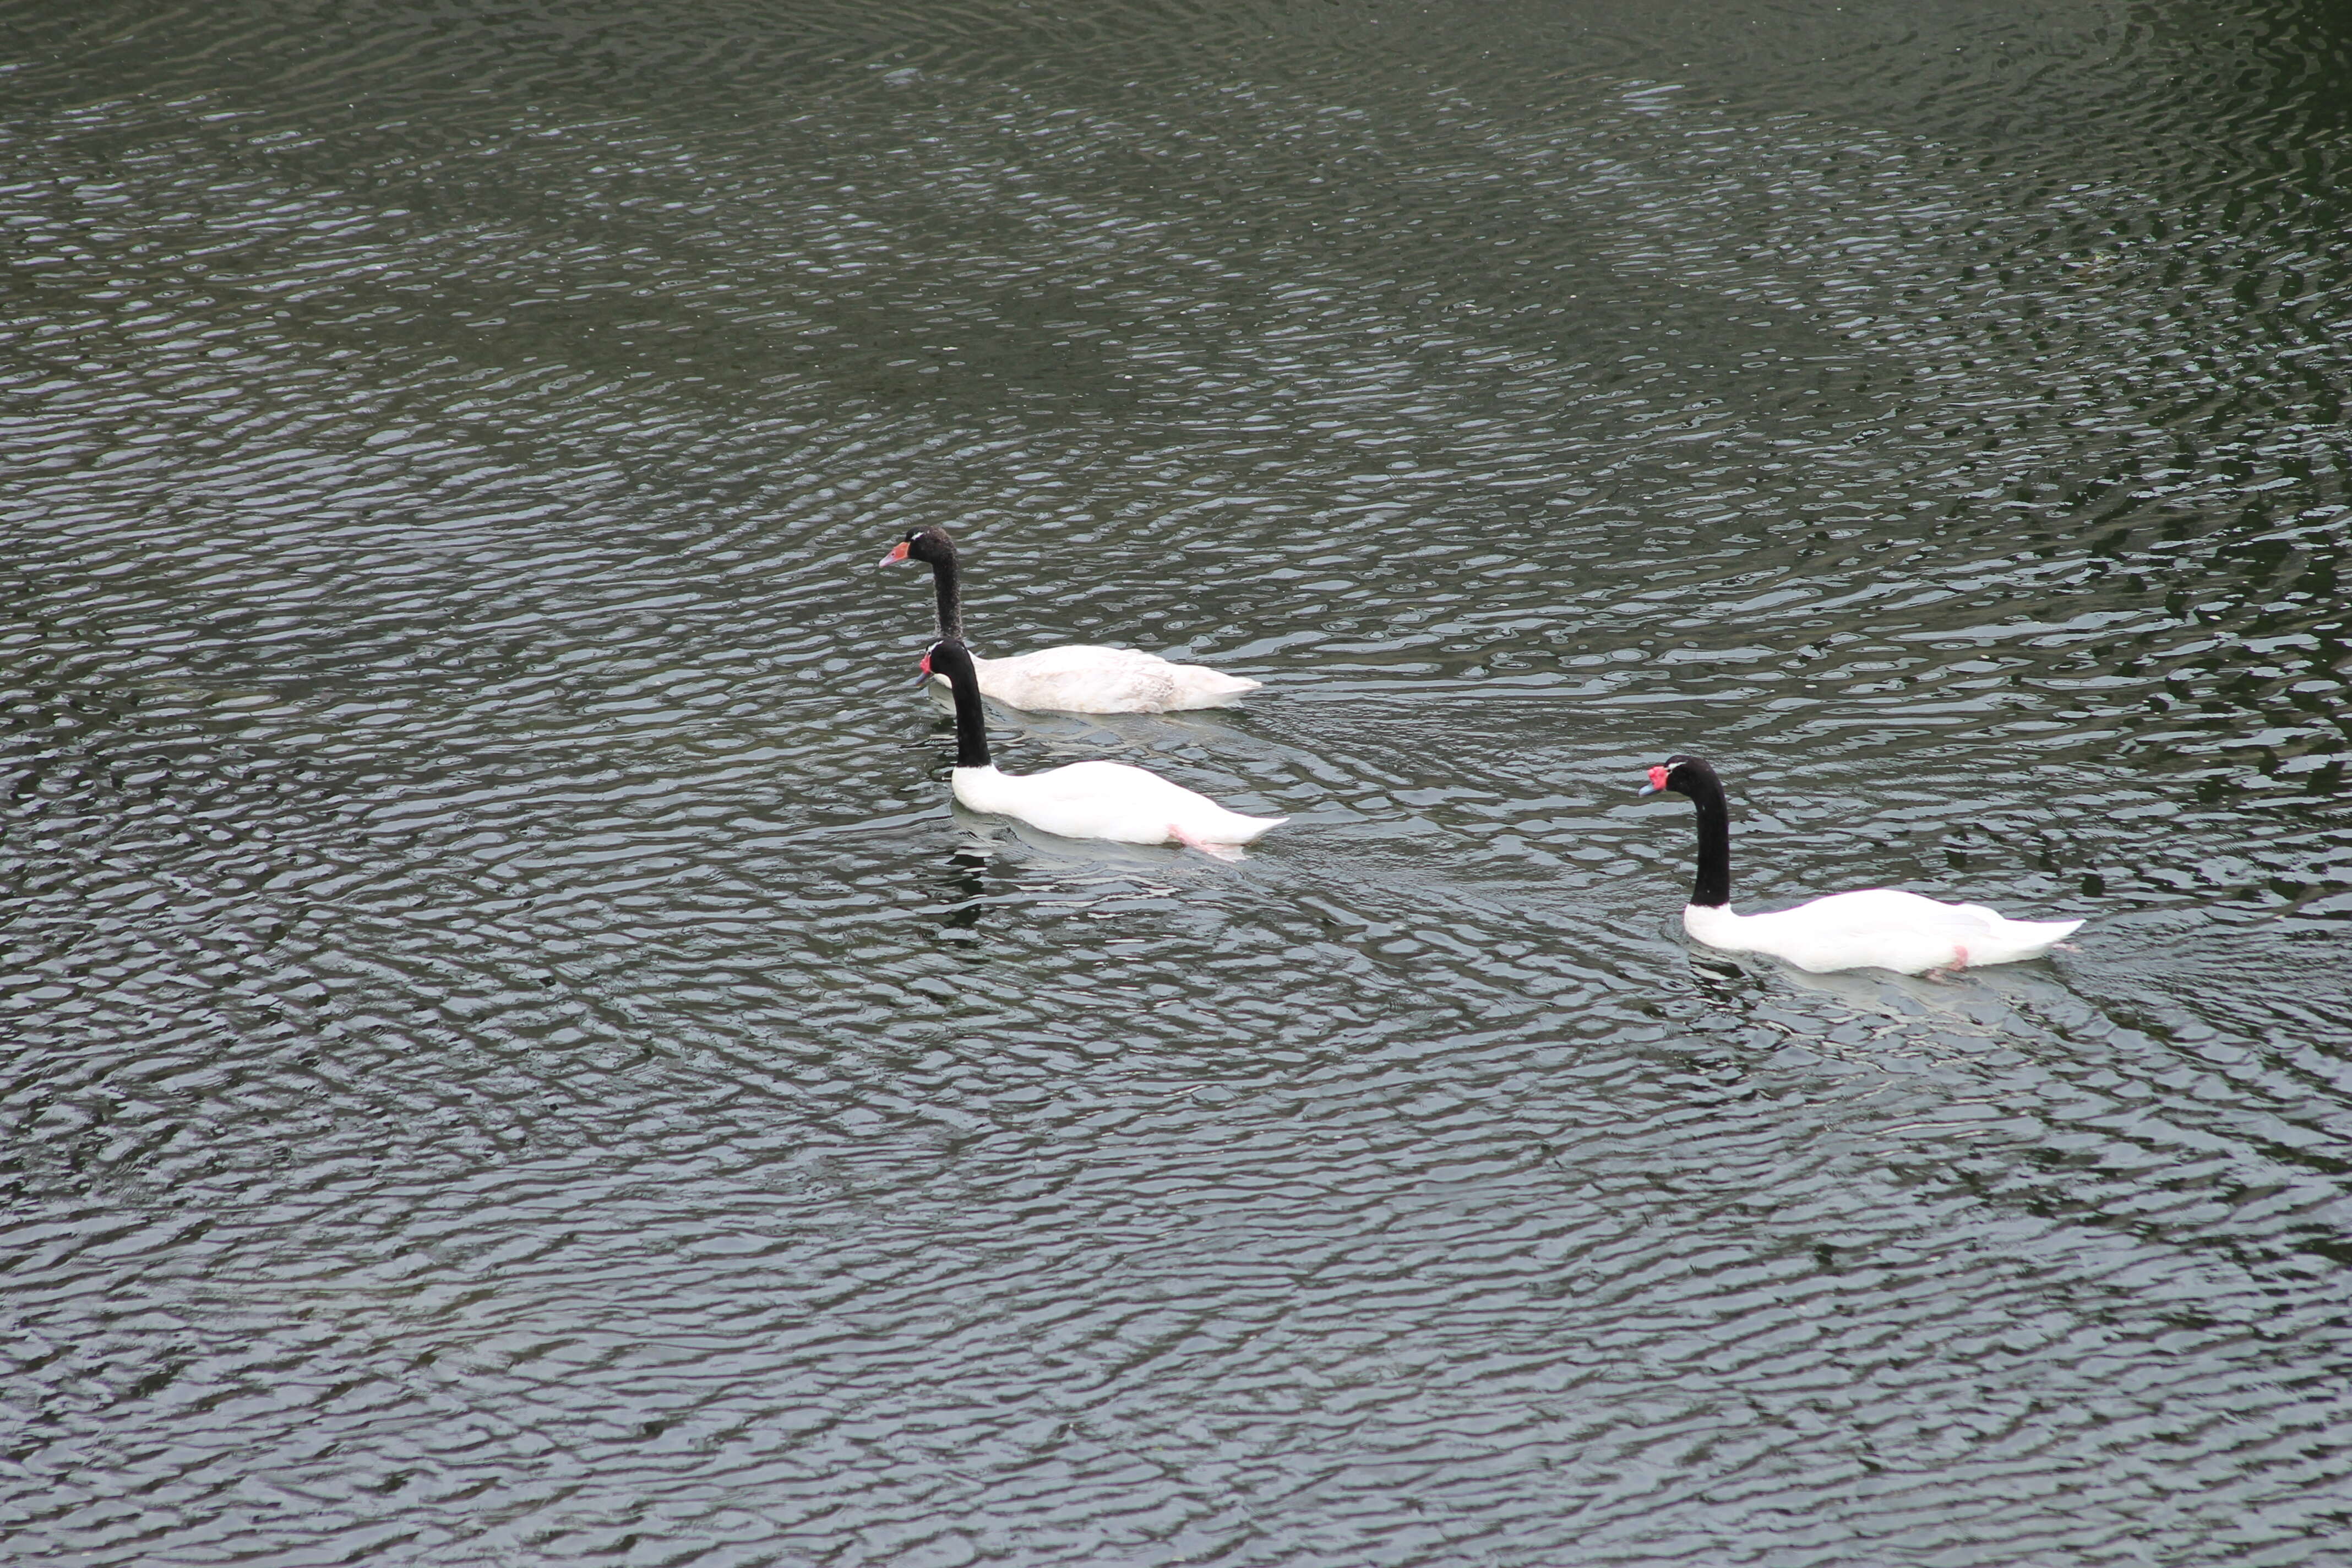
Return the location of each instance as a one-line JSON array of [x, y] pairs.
[[513, 1060]]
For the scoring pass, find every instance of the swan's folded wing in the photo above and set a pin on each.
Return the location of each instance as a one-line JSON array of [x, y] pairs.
[[1874, 910], [1872, 928], [1085, 679], [1117, 784], [1081, 679], [1072, 659]]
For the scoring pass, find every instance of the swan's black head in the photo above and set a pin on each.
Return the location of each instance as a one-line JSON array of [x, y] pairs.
[[929, 545], [947, 657], [1678, 774]]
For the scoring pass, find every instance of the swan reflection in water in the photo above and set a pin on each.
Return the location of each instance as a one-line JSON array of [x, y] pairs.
[[963, 890]]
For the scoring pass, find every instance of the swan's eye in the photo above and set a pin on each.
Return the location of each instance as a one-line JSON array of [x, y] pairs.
[[1658, 778]]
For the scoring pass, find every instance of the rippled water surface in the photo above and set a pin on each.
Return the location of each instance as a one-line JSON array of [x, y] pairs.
[[514, 1060]]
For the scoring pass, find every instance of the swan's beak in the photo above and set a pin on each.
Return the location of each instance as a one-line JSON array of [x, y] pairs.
[[897, 553], [1657, 784], [926, 667], [1646, 789]]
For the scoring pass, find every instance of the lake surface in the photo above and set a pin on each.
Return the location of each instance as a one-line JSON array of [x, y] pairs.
[[516, 1060]]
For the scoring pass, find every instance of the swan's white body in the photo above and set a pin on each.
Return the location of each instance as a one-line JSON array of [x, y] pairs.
[[1085, 679], [1877, 928], [1084, 800], [1076, 679], [1109, 800]]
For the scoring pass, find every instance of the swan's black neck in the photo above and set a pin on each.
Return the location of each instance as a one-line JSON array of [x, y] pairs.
[[1712, 887], [971, 718], [944, 582]]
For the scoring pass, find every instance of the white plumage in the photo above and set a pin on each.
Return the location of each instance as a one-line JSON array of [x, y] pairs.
[[1084, 800], [1109, 800], [1878, 928], [1875, 928], [1078, 678]]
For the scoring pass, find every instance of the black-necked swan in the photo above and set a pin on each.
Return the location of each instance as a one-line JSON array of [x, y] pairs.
[[1073, 679], [1083, 800], [1876, 928]]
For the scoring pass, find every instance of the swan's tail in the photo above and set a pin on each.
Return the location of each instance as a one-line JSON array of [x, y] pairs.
[[2018, 940], [1200, 829], [1198, 686]]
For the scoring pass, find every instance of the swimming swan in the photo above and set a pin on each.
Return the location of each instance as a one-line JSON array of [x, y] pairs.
[[1877, 928], [1073, 679], [1084, 800]]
